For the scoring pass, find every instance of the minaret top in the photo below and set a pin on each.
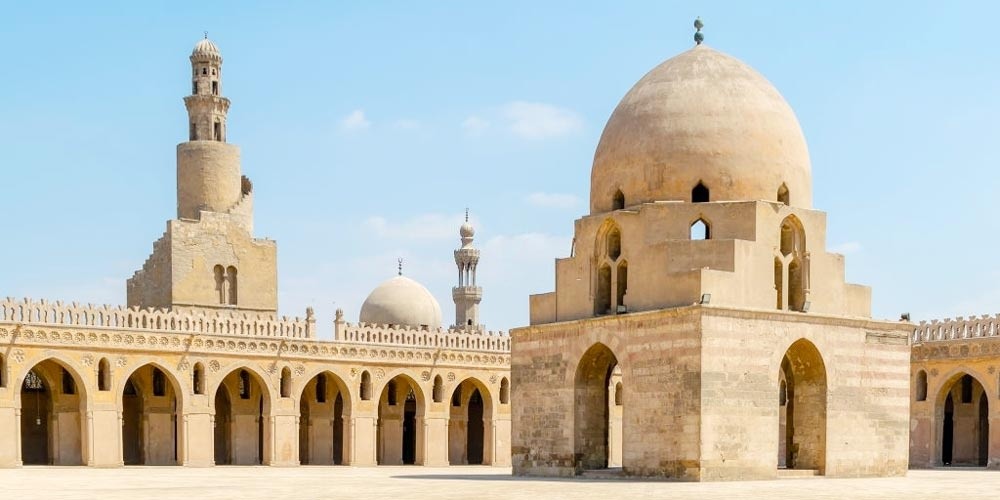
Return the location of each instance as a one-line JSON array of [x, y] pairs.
[[698, 35], [206, 49], [467, 232]]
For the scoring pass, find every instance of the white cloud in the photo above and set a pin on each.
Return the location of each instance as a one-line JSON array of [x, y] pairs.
[[355, 121], [535, 120], [846, 248], [475, 125], [552, 200], [406, 124], [432, 226]]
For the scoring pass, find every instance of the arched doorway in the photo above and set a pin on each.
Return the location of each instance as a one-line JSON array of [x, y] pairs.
[[242, 404], [399, 422], [964, 415], [801, 398], [149, 418], [592, 401], [52, 408], [469, 429], [321, 421]]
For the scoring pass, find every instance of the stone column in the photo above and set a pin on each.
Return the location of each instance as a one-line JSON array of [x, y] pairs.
[[10, 441], [362, 443], [501, 442], [103, 435], [284, 442], [435, 441], [196, 439]]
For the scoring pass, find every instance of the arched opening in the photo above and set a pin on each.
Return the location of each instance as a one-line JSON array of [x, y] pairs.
[[700, 193], [616, 404], [221, 285], [438, 391], [366, 386], [621, 280], [52, 410], [964, 415], [217, 131], [804, 429], [286, 383], [400, 431], [193, 133], [783, 195], [241, 408], [469, 438], [700, 230], [150, 413], [602, 302], [614, 243], [321, 421], [591, 431], [920, 386], [504, 391], [792, 246], [198, 378], [104, 375], [618, 202], [779, 283], [231, 279]]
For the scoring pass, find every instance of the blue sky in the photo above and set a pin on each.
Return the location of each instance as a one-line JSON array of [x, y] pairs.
[[368, 127]]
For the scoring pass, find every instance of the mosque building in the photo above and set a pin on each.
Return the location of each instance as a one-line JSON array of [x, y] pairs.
[[199, 370], [699, 329]]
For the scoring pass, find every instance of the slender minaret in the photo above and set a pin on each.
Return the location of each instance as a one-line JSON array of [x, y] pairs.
[[208, 169], [467, 294]]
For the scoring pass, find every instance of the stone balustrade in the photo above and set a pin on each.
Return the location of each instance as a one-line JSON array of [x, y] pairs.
[[960, 328], [364, 333]]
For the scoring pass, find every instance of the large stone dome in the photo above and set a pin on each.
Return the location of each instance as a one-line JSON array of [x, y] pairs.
[[401, 301], [702, 116]]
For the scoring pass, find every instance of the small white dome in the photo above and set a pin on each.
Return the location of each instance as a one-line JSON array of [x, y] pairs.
[[401, 301], [206, 48]]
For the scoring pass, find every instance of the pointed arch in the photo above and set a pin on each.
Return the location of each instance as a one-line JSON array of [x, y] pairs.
[[366, 386], [285, 384], [700, 194], [103, 375], [961, 420], [470, 438], [804, 434], [324, 407], [618, 201], [400, 433], [504, 391], [242, 405], [783, 196], [438, 392], [198, 378], [592, 409], [920, 386], [701, 229], [52, 399], [150, 402]]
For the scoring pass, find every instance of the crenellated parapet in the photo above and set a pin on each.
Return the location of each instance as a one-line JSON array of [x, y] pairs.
[[960, 328], [211, 322], [441, 338]]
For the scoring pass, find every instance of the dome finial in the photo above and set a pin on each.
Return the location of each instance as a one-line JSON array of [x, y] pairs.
[[698, 35], [466, 214], [399, 266], [206, 35]]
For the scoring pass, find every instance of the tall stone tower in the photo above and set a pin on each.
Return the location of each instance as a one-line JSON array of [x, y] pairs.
[[208, 257], [467, 294]]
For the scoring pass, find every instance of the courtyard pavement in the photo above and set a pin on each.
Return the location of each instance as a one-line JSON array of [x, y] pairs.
[[477, 483]]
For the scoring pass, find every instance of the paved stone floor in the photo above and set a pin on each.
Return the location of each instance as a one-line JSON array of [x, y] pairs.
[[477, 483]]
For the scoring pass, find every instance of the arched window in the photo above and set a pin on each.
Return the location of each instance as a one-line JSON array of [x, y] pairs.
[[783, 194], [215, 88], [217, 131], [321, 388], [159, 383], [104, 375], [204, 71], [618, 202], [366, 385], [285, 386], [231, 278], [504, 391], [391, 390], [68, 384], [622, 286], [921, 386], [699, 194], [198, 378], [602, 304], [779, 282], [618, 394], [220, 284], [244, 387], [193, 135], [700, 230], [456, 397], [614, 244], [438, 393], [792, 246]]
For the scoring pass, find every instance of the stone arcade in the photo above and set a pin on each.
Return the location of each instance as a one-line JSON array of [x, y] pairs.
[[699, 329], [198, 369]]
